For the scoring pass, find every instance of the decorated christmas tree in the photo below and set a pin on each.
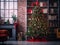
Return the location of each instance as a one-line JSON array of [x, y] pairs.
[[37, 27]]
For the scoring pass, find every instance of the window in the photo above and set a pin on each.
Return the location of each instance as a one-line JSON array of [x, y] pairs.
[[7, 9]]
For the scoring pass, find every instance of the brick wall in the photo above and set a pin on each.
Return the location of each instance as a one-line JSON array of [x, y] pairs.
[[22, 15]]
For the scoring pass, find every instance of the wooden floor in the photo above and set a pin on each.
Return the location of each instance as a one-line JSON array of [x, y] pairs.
[[29, 43]]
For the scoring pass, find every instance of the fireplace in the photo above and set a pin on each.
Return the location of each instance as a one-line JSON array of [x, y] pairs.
[[11, 29]]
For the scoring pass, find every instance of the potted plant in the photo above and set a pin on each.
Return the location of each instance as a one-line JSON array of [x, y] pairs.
[[15, 20]]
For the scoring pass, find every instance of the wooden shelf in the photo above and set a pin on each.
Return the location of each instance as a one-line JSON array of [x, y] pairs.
[[53, 27], [52, 7], [53, 14]]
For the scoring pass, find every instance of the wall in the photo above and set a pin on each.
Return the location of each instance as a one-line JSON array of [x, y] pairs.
[[22, 16]]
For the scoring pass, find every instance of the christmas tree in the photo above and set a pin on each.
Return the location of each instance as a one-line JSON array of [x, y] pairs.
[[37, 27]]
